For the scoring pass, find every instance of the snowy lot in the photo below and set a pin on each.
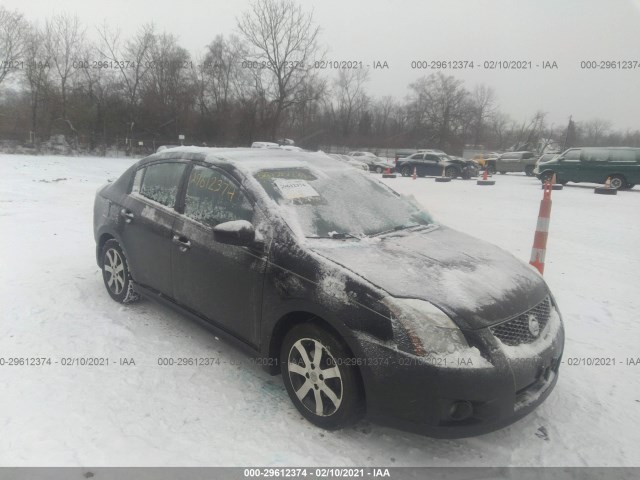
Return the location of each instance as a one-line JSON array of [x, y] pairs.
[[53, 304]]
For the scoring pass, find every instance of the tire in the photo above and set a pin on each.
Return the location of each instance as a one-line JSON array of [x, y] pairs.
[[528, 170], [115, 273], [618, 182], [451, 172], [406, 172], [491, 168], [378, 169], [546, 176], [329, 403]]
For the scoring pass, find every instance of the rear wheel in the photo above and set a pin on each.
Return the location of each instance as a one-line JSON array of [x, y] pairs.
[[528, 170], [491, 168], [378, 169], [503, 173], [406, 172], [321, 383], [618, 182], [115, 273]]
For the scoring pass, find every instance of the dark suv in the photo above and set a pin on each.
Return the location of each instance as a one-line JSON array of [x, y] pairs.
[[323, 274], [436, 164]]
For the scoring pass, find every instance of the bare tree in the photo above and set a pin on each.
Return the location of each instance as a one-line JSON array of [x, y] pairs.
[[483, 106], [595, 130], [439, 104], [132, 61], [351, 98], [283, 39], [35, 73], [63, 40], [13, 33]]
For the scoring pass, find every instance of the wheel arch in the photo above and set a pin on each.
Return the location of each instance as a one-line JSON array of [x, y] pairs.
[[290, 320], [104, 238]]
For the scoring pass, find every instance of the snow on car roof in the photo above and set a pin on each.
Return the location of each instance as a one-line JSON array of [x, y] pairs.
[[252, 160]]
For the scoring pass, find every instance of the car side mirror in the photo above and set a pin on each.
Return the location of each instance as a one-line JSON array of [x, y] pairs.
[[236, 232]]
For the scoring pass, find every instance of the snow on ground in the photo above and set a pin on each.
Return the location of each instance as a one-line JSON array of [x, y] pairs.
[[53, 304]]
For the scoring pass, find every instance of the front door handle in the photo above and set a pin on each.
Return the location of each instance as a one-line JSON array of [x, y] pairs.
[[183, 243], [127, 214]]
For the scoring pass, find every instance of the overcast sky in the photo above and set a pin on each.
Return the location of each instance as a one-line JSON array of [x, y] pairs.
[[565, 31]]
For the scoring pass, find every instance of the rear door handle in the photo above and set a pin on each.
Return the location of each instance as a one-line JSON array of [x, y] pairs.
[[128, 216], [182, 242]]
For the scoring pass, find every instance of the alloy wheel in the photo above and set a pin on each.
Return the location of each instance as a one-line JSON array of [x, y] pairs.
[[114, 266], [315, 377]]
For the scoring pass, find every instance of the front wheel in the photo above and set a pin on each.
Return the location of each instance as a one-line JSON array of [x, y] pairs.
[[450, 172], [546, 177], [406, 172], [528, 170], [322, 384], [378, 169], [491, 168], [115, 273]]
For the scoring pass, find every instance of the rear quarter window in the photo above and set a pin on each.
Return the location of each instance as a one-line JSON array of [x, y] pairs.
[[625, 156]]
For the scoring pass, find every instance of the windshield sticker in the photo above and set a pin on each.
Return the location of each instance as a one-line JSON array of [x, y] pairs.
[[294, 189]]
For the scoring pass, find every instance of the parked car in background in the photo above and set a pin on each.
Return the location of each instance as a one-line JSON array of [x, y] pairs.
[[595, 165], [291, 148], [483, 158], [513, 162], [435, 164], [546, 157], [164, 147], [264, 145], [352, 292], [350, 161], [376, 164]]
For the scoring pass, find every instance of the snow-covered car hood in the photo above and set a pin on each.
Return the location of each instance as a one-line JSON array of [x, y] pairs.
[[476, 283]]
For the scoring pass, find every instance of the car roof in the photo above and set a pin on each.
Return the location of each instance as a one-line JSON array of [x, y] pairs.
[[251, 160]]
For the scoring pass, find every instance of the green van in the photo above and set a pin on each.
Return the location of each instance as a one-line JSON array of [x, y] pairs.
[[594, 165]]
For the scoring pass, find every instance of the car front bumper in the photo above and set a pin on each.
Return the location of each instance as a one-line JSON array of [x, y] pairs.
[[422, 396]]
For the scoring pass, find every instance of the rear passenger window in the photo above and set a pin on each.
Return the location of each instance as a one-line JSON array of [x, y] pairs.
[[160, 182], [213, 197]]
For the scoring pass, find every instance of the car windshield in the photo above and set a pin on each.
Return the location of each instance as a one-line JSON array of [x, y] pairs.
[[346, 203]]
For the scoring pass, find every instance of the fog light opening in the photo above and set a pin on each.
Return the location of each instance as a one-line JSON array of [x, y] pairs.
[[460, 410]]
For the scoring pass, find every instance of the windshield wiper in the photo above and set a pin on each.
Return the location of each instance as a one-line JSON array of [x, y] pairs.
[[398, 228], [336, 236]]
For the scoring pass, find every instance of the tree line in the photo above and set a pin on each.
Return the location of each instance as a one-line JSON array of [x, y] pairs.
[[120, 89]]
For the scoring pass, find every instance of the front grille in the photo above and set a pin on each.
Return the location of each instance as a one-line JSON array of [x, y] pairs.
[[516, 331]]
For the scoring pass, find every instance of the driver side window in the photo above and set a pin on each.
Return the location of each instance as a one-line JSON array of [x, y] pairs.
[[213, 197]]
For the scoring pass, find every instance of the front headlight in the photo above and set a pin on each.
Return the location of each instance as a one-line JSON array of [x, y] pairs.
[[422, 329], [429, 330]]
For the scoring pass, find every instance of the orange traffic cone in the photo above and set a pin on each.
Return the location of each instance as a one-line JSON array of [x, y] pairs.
[[387, 173], [485, 178], [539, 249], [415, 173]]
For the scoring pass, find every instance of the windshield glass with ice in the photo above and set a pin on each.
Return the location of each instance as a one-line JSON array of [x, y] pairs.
[[315, 204]]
